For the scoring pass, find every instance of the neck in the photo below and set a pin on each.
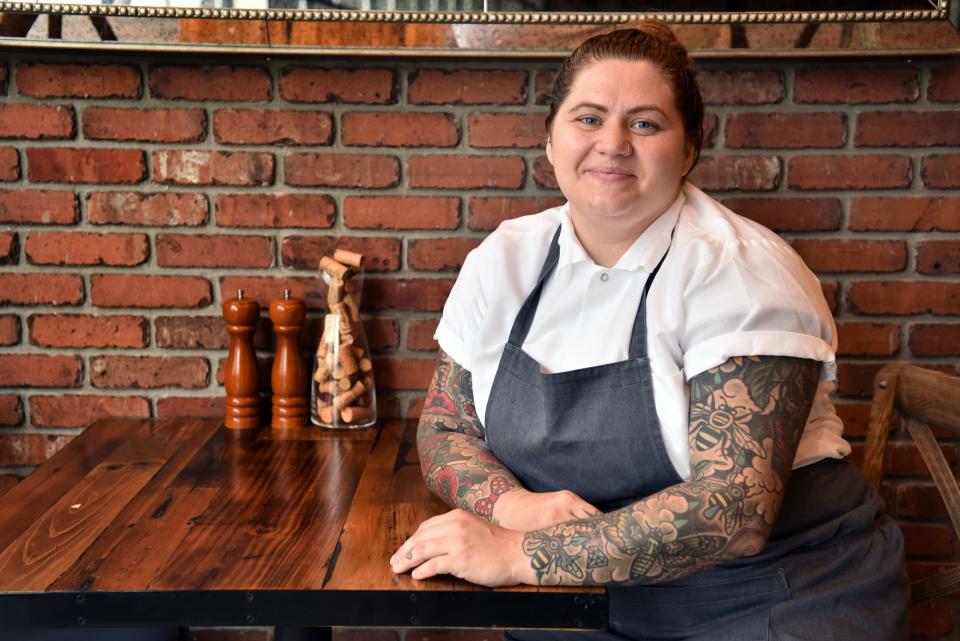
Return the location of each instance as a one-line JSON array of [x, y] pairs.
[[607, 241]]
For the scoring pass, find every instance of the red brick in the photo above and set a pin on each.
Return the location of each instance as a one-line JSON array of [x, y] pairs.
[[149, 372], [907, 129], [904, 459], [214, 250], [392, 129], [360, 86], [272, 126], [785, 130], [543, 87], [524, 131], [3, 79], [488, 212], [149, 291], [414, 407], [196, 332], [380, 253], [412, 294], [466, 172], [941, 171], [80, 410], [81, 330], [41, 289], [855, 380], [944, 84], [177, 406], [908, 213], [856, 86], [40, 370], [52, 164], [36, 122], [341, 170], [935, 339], [420, 333], [404, 373], [790, 214], [467, 87], [543, 174], [228, 634], [439, 254], [84, 248], [9, 248], [11, 412], [746, 173], [194, 167], [919, 500], [146, 125], [9, 329], [836, 256], [18, 449], [931, 619], [9, 164], [741, 87], [710, 125], [401, 212], [382, 333], [855, 417], [904, 297], [77, 81], [928, 540], [39, 207], [276, 210], [880, 171], [868, 339], [149, 210], [220, 82], [264, 289], [938, 257]]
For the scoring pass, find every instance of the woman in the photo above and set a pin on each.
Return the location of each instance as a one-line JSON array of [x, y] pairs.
[[628, 382]]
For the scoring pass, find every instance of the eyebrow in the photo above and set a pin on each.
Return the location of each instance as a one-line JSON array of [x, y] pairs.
[[632, 110]]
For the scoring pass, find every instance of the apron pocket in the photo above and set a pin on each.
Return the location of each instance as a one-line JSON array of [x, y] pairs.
[[718, 608]]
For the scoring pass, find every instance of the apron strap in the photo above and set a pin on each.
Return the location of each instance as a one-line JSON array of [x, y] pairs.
[[638, 339], [521, 326]]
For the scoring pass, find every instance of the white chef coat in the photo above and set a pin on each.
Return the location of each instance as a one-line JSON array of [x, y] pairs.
[[728, 287]]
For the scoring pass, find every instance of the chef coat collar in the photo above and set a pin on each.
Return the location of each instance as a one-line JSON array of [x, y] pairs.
[[645, 252]]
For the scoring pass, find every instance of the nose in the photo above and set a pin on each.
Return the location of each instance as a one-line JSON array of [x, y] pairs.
[[615, 141]]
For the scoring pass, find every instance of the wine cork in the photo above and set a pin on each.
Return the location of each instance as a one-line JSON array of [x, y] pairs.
[[343, 400], [355, 413], [334, 291], [351, 302], [348, 364], [326, 412], [322, 373], [322, 349], [357, 352], [336, 269], [331, 328], [344, 384], [350, 258], [365, 365], [330, 387], [368, 382]]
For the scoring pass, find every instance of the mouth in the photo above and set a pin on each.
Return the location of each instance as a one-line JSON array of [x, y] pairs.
[[608, 173]]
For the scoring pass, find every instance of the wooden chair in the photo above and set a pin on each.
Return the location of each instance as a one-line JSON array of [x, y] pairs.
[[920, 396]]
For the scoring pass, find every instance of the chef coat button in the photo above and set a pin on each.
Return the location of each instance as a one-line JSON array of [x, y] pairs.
[[604, 277]]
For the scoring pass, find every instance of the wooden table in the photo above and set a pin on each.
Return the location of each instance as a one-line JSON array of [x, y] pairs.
[[180, 522]]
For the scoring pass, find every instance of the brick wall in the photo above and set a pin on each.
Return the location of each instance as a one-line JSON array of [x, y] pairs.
[[135, 195]]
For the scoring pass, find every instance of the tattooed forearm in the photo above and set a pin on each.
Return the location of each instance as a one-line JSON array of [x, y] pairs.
[[746, 417], [456, 463]]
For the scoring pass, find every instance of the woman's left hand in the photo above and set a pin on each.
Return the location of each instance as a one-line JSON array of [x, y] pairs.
[[467, 547]]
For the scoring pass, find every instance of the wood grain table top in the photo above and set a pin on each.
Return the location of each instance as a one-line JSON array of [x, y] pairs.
[[180, 521]]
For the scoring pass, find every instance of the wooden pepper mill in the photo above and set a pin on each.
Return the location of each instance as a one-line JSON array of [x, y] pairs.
[[291, 401], [240, 377]]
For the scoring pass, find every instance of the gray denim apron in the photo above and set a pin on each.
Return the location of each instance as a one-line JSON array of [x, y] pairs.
[[832, 569]]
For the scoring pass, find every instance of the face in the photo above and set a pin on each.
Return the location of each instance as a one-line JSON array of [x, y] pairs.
[[617, 143]]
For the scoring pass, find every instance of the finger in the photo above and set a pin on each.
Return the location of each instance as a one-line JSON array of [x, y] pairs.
[[420, 551], [433, 567]]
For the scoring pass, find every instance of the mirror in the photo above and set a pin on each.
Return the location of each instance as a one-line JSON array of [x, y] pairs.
[[481, 27]]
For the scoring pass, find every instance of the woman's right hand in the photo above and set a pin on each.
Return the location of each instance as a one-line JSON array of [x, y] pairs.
[[523, 510]]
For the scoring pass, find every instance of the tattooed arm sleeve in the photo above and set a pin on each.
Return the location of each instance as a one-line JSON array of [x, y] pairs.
[[746, 418], [456, 463]]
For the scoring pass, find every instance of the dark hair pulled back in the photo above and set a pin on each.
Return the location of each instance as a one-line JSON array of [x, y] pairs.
[[651, 41]]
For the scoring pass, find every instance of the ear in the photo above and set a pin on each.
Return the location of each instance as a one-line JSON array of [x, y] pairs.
[[549, 149], [688, 161]]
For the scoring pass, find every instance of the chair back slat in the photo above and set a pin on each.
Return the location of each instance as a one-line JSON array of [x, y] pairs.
[[938, 466], [931, 396]]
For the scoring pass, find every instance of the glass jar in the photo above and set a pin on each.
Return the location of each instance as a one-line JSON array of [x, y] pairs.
[[343, 394]]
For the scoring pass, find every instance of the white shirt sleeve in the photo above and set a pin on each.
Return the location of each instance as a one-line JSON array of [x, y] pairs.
[[753, 297], [464, 311]]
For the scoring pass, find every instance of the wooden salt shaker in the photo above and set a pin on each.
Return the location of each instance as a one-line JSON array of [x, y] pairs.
[[240, 377], [291, 401]]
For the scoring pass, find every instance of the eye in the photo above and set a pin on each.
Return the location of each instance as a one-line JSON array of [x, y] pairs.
[[644, 124], [590, 121]]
